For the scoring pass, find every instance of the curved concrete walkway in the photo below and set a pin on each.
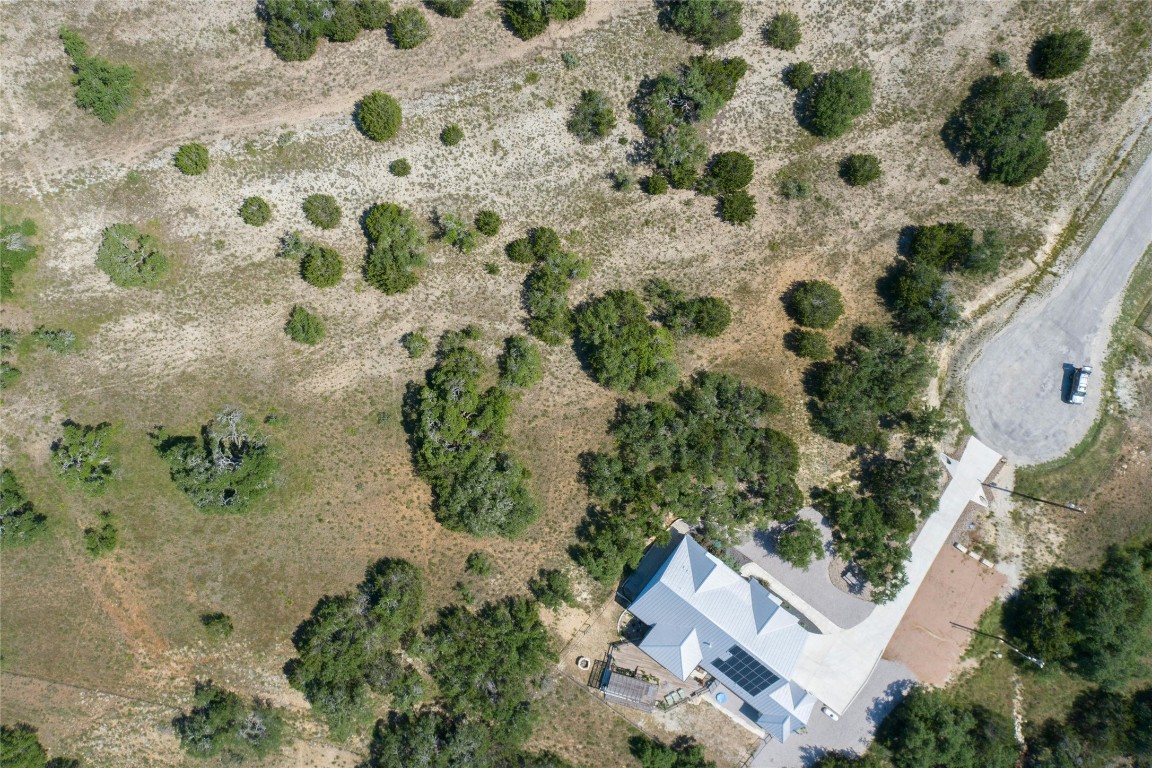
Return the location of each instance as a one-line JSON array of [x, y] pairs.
[[1016, 390]]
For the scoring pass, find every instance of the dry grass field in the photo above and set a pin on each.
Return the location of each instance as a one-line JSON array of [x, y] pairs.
[[100, 654]]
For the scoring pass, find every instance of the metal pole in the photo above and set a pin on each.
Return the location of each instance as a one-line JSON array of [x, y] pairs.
[[1033, 659], [1069, 505]]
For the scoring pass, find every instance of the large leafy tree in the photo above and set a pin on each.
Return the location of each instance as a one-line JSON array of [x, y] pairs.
[[836, 100], [622, 349], [349, 644], [707, 456], [927, 730], [458, 442]]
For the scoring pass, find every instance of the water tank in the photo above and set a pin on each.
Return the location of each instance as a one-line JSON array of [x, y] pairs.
[[721, 697]]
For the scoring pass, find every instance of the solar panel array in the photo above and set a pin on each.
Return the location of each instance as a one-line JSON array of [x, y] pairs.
[[745, 671]]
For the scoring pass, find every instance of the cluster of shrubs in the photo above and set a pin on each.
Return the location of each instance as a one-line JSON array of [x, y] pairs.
[[621, 348], [303, 327], [710, 23], [459, 445], [223, 724], [16, 250], [706, 455], [20, 523], [703, 315], [83, 456], [395, 248], [320, 265], [103, 89], [229, 465], [916, 288], [593, 117], [546, 286], [294, 28], [814, 305], [131, 258], [530, 18]]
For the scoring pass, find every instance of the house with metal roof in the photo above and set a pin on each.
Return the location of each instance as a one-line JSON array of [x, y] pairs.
[[701, 613]]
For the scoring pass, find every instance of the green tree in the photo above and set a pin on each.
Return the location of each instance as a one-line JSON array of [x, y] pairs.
[[814, 304], [374, 14], [294, 27], [546, 286], [874, 377], [811, 345], [101, 540], [84, 457], [677, 155], [694, 93], [727, 172], [799, 542], [860, 170], [455, 231], [922, 302], [414, 343], [655, 184], [479, 563], [1059, 54], [710, 23], [928, 730], [1000, 127], [131, 258], [303, 327], [519, 363], [217, 625], [220, 723], [322, 211], [943, 246], [837, 99], [321, 266], [453, 9], [408, 28], [16, 250], [395, 247], [457, 434], [255, 211], [800, 76], [227, 468], [20, 523], [737, 207], [20, 747], [704, 315], [349, 644], [621, 348], [191, 159], [488, 223], [378, 116], [553, 588], [593, 117], [451, 135], [683, 753], [529, 18], [101, 88], [783, 31]]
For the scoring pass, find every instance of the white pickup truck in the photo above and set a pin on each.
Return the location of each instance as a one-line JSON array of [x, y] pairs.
[[1080, 384]]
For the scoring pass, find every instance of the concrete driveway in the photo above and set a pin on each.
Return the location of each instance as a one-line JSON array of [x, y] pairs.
[[1017, 389]]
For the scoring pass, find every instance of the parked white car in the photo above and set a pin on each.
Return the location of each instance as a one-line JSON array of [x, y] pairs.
[[1080, 384]]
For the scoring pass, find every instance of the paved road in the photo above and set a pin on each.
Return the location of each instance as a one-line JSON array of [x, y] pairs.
[[1016, 389]]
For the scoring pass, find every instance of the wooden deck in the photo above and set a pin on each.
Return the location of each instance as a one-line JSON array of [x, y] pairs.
[[670, 690]]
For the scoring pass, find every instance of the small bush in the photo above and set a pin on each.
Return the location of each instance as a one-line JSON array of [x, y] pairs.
[[373, 14], [9, 375], [303, 327], [453, 9], [20, 523], [400, 167], [408, 28], [101, 88], [792, 188], [103, 539], [592, 117], [1000, 60], [783, 31], [1059, 54], [811, 345], [570, 60], [479, 563], [520, 251], [519, 363], [859, 170], [677, 154], [737, 207], [491, 267], [218, 625], [727, 172], [322, 211], [131, 258], [622, 180], [708, 22], [58, 340], [552, 588], [255, 211], [488, 223], [191, 159], [799, 76], [378, 116], [415, 343], [455, 231], [451, 135], [655, 184], [321, 266], [1055, 107], [814, 304], [83, 456]]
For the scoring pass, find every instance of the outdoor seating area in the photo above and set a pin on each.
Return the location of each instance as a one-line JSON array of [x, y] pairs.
[[630, 677]]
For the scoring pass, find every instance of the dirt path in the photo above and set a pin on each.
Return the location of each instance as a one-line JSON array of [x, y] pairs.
[[1016, 390]]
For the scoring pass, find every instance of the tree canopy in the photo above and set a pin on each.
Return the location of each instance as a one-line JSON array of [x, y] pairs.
[[20, 523], [621, 348], [1000, 127], [694, 93], [1059, 54], [228, 467], [672, 308], [458, 441], [395, 247], [926, 729], [529, 18], [814, 304], [708, 22], [349, 644], [593, 117], [873, 378], [303, 327], [102, 88], [546, 286], [131, 258], [684, 752], [707, 455], [83, 456], [378, 116], [783, 31], [836, 99], [221, 723], [519, 363], [294, 27]]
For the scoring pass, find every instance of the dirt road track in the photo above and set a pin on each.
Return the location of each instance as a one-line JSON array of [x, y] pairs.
[[1016, 390]]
